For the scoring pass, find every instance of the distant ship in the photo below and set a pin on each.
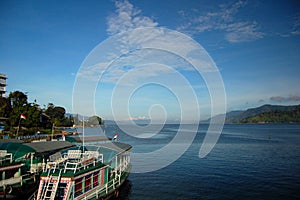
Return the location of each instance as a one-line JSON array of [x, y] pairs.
[[94, 171]]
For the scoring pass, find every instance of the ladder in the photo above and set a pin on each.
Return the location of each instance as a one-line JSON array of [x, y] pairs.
[[70, 166], [51, 187]]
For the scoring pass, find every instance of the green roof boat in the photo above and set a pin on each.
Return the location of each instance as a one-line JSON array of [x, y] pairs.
[[94, 171], [21, 164]]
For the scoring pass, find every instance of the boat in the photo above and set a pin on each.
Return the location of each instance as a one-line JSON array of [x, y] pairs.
[[93, 171], [21, 164]]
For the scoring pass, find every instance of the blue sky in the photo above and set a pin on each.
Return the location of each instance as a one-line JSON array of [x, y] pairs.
[[254, 45]]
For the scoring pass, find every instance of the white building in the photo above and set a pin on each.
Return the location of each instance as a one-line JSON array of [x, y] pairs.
[[2, 85]]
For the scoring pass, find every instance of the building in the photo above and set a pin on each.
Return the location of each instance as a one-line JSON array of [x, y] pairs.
[[2, 85]]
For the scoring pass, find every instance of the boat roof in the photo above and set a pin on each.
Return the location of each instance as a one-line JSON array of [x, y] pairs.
[[117, 146], [42, 147], [109, 149], [21, 149], [87, 139]]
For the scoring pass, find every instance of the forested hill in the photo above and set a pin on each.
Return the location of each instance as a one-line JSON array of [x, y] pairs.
[[256, 111], [264, 114], [277, 116]]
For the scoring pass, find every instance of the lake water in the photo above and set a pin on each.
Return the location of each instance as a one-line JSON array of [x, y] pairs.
[[248, 162]]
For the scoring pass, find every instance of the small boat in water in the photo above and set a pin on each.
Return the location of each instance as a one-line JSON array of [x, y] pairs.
[[94, 171], [21, 164]]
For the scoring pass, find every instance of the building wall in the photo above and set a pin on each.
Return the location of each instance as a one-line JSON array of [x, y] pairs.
[[2, 85]]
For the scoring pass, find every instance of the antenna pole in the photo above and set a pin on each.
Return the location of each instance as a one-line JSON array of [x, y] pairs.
[[83, 134]]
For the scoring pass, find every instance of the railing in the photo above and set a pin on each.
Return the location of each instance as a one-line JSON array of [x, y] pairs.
[[11, 181], [33, 196], [50, 187], [2, 81], [5, 157], [74, 160], [109, 186], [38, 167]]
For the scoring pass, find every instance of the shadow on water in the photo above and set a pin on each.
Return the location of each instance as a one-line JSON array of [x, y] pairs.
[[124, 191]]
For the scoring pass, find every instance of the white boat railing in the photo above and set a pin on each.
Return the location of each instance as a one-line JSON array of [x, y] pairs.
[[112, 184], [5, 157], [74, 160], [11, 181]]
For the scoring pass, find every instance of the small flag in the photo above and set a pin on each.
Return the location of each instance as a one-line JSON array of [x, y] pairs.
[[115, 136], [23, 116]]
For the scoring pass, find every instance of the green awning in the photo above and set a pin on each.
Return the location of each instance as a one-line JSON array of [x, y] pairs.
[[19, 150]]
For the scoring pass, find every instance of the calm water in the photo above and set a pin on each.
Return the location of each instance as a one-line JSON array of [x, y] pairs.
[[248, 162]]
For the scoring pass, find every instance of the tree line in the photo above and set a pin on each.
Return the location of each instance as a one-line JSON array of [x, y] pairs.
[[37, 119], [288, 116]]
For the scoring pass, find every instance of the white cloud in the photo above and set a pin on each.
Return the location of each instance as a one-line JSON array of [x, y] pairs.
[[296, 25], [127, 17], [223, 19], [281, 99], [141, 48], [140, 41], [137, 54], [242, 31], [138, 118]]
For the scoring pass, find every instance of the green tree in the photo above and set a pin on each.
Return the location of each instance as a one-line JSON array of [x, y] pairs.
[[17, 99], [33, 114], [18, 103], [55, 112], [57, 115], [94, 120], [5, 107]]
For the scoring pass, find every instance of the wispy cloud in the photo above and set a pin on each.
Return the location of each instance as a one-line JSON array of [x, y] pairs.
[[296, 25], [136, 41], [293, 28], [138, 52], [222, 19], [281, 99], [127, 17]]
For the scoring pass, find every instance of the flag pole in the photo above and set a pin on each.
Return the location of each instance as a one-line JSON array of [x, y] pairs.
[[18, 127], [52, 131]]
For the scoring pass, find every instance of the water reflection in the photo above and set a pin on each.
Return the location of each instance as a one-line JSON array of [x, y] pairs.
[[124, 191]]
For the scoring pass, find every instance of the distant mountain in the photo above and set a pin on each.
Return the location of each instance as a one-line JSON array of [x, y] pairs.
[[255, 111], [109, 122], [230, 114], [237, 116], [80, 117], [277, 116]]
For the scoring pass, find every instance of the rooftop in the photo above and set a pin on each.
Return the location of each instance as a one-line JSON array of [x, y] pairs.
[[20, 149]]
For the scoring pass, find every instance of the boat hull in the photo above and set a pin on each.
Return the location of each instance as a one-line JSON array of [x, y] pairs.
[[18, 191]]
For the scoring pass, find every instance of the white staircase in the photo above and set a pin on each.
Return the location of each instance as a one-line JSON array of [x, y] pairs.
[[49, 190]]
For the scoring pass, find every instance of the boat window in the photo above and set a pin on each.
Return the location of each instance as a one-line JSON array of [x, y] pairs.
[[96, 179], [88, 182], [78, 187], [12, 173], [60, 191]]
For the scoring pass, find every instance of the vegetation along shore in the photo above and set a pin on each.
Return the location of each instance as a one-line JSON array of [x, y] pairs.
[[18, 117]]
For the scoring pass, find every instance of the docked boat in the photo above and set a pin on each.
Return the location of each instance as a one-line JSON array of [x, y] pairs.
[[22, 163], [94, 171]]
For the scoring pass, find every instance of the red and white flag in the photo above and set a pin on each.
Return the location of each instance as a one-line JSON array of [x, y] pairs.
[[115, 136], [23, 116]]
